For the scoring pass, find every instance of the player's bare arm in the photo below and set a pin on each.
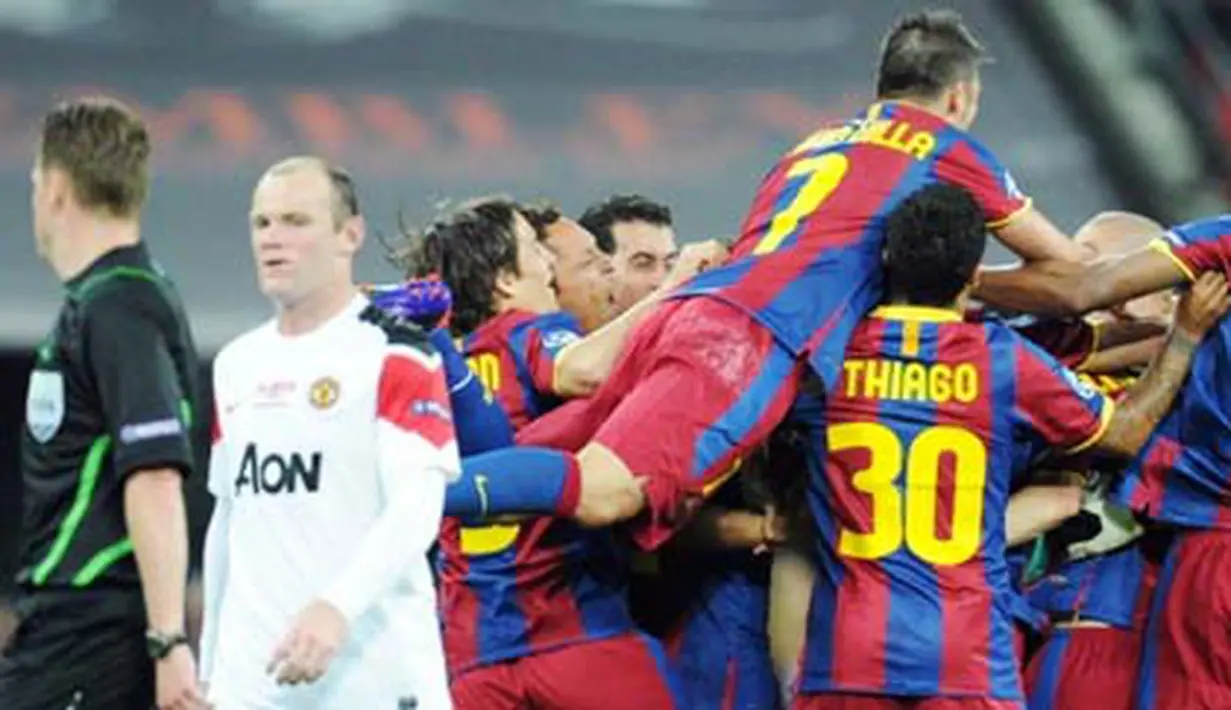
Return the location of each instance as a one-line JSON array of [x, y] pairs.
[[1066, 288], [720, 528], [1033, 237], [1036, 509], [154, 514], [582, 366], [1116, 333], [1124, 357], [1151, 397]]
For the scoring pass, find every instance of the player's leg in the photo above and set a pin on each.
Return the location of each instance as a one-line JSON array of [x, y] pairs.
[[711, 385], [790, 590], [494, 687], [630, 670], [1186, 653]]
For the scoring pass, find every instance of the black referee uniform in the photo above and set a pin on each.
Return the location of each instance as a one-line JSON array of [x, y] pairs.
[[112, 393]]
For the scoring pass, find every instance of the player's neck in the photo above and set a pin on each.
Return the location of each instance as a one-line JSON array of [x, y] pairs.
[[316, 309], [933, 107], [88, 240], [504, 304]]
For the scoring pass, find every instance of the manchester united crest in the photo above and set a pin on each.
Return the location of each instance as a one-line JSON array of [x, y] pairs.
[[323, 393]]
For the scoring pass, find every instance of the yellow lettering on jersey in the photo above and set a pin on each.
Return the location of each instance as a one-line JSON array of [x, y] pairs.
[[900, 136], [876, 383], [914, 381], [940, 384], [486, 366], [852, 371], [966, 383]]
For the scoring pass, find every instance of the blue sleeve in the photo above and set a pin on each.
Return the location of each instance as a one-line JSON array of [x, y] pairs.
[[481, 423], [523, 480]]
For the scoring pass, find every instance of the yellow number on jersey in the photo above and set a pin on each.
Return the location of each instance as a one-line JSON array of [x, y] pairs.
[[824, 174], [486, 366], [488, 540], [915, 523]]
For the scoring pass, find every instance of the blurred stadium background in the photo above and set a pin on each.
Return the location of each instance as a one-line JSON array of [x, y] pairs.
[[1094, 104]]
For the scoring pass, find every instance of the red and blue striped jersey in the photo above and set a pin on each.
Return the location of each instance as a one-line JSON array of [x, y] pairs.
[[807, 264], [523, 346], [1183, 474], [914, 452], [1112, 588], [1070, 340], [514, 589]]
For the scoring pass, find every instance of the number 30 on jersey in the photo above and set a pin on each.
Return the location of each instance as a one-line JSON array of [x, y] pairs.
[[912, 522]]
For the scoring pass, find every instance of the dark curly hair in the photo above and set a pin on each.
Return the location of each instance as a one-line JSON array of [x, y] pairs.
[[934, 240], [599, 218], [467, 248]]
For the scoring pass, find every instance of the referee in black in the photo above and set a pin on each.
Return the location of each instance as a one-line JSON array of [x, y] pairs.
[[106, 441]]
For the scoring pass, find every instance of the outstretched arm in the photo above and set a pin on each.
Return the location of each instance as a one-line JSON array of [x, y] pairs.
[[1066, 288]]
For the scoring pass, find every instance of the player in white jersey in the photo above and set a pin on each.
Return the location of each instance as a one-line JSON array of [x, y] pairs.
[[333, 446]]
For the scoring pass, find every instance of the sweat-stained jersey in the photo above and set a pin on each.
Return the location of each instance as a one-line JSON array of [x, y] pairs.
[[511, 590], [313, 435], [1183, 474], [807, 264], [924, 436]]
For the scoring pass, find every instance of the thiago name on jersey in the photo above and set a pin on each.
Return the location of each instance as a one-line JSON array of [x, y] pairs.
[[894, 379]]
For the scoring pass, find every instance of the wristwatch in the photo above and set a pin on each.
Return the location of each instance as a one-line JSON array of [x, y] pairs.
[[159, 644]]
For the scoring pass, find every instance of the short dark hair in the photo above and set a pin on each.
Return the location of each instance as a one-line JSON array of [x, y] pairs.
[[934, 240], [926, 52], [104, 147], [541, 215], [599, 218], [345, 196], [467, 248]]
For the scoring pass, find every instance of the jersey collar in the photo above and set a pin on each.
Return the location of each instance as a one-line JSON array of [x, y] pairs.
[[925, 314]]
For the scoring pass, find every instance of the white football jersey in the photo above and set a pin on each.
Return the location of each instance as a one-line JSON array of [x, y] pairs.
[[312, 433]]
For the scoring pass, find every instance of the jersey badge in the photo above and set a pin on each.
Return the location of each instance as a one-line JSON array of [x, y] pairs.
[[323, 393], [45, 405]]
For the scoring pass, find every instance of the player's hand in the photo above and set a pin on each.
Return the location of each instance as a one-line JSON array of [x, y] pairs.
[[304, 654], [774, 530], [695, 258], [175, 681], [1203, 305]]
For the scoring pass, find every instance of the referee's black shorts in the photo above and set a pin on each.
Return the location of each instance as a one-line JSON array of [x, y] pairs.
[[78, 650]]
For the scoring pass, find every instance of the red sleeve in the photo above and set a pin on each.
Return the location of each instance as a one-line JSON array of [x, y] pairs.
[[215, 425], [1059, 410], [968, 165], [412, 396]]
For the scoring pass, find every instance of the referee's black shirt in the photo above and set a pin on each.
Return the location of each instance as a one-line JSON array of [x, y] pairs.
[[112, 393]]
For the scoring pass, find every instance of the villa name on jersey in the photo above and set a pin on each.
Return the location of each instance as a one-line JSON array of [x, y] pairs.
[[276, 473]]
